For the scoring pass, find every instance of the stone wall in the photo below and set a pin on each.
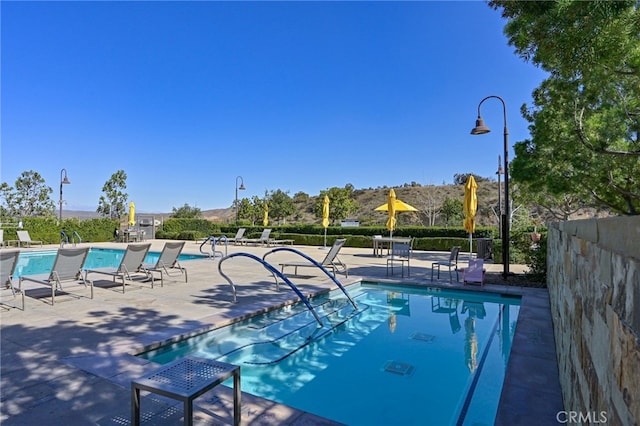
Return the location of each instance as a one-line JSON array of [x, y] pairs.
[[594, 289]]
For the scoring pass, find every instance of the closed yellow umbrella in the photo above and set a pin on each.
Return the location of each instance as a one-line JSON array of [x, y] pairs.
[[325, 217], [391, 210], [470, 205], [132, 214], [325, 212], [265, 220]]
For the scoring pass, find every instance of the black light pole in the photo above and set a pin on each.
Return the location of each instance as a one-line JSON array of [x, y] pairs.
[[499, 172], [64, 180], [481, 129], [242, 188]]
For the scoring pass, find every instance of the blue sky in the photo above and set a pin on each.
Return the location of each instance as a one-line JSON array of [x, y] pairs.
[[298, 96]]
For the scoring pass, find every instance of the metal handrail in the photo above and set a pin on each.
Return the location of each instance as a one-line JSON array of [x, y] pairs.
[[274, 271], [319, 265], [73, 240], [64, 239], [214, 252]]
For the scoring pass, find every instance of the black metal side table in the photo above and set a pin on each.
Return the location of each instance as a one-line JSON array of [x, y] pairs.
[[185, 380]]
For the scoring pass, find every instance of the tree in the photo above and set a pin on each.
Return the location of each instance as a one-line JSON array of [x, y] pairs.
[[30, 196], [452, 211], [187, 212], [255, 210], [585, 118], [112, 203], [342, 204], [461, 178], [280, 205], [429, 205], [245, 209]]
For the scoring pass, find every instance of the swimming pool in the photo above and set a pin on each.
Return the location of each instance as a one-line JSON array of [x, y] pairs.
[[408, 355], [41, 262]]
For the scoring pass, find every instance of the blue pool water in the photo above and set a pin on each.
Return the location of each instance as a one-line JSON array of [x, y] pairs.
[[41, 262], [407, 356]]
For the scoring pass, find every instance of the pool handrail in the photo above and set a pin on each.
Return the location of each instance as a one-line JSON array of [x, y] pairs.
[[214, 252], [274, 271], [216, 240], [315, 263], [64, 239], [73, 240]]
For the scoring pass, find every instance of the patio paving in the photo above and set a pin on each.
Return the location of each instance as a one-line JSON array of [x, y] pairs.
[[72, 363]]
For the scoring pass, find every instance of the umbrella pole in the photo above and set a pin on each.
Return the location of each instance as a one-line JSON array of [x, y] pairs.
[[470, 246], [325, 237]]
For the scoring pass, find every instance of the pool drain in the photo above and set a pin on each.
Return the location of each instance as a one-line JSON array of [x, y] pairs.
[[423, 337], [398, 367]]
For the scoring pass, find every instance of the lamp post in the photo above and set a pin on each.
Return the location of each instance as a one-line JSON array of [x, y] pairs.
[[242, 188], [64, 180], [499, 172], [481, 129]]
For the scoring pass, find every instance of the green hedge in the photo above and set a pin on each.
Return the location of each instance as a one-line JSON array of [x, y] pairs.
[[47, 229]]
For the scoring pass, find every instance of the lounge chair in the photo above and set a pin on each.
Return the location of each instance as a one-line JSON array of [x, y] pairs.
[[264, 238], [452, 263], [400, 253], [331, 260], [67, 267], [130, 264], [167, 260], [239, 236], [474, 273], [8, 262], [24, 237]]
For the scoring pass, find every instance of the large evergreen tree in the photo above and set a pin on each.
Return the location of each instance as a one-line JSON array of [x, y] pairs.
[[585, 117]]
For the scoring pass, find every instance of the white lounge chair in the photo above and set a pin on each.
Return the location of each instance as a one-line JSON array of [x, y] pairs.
[[167, 260], [474, 273], [130, 264], [331, 260], [8, 262], [67, 268], [24, 237]]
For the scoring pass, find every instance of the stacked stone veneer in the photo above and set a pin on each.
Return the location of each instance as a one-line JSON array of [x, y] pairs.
[[594, 289]]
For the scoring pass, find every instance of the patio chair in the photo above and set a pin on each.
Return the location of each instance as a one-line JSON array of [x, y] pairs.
[[130, 264], [331, 260], [264, 238], [167, 260], [474, 273], [8, 262], [452, 263], [24, 237], [400, 253], [67, 268]]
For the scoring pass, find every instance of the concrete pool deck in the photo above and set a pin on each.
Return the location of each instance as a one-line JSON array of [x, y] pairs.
[[72, 363]]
